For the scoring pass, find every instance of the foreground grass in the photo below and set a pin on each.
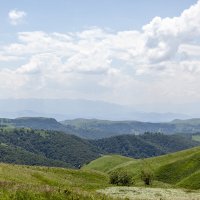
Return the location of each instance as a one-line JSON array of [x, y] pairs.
[[141, 193], [173, 171], [41, 183]]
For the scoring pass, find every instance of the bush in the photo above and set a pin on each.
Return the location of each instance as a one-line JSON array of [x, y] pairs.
[[147, 176], [120, 177]]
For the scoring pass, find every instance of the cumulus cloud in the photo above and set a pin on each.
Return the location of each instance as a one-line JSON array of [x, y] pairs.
[[16, 17], [159, 63]]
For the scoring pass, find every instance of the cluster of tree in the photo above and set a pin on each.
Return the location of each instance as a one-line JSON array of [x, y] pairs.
[[48, 146]]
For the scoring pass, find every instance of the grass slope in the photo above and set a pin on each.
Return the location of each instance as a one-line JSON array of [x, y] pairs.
[[105, 163], [181, 169], [177, 169], [26, 182]]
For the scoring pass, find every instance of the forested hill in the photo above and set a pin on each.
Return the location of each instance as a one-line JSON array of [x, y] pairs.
[[97, 129], [145, 145], [39, 147], [52, 148], [34, 123]]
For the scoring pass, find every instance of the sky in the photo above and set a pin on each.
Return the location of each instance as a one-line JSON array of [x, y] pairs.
[[126, 52]]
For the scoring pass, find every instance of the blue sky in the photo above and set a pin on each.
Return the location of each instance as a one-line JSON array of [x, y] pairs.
[[127, 52], [74, 15]]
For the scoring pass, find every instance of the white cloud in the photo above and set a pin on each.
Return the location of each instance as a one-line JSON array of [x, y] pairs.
[[16, 17], [159, 63]]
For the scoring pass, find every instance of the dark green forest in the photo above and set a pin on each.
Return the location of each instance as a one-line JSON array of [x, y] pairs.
[[145, 145], [44, 148], [53, 148]]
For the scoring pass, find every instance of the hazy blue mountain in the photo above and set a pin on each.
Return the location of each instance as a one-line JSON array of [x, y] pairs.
[[62, 109], [193, 121]]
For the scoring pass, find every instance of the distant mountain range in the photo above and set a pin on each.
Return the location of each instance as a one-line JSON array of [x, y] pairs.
[[62, 109], [93, 128], [97, 129]]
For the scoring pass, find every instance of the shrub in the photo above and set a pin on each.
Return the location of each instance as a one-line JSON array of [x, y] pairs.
[[120, 177], [147, 176]]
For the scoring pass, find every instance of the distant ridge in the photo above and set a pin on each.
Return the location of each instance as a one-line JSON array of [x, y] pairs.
[[192, 121], [97, 129]]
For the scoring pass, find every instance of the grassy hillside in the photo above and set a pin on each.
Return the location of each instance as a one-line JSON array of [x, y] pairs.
[[181, 169], [183, 172], [34, 183], [171, 171], [107, 162]]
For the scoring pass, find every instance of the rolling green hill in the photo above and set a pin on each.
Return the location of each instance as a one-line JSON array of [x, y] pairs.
[[171, 172], [107, 162], [180, 169]]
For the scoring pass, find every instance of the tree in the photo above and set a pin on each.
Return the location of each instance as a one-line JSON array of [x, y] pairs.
[[121, 177], [147, 174]]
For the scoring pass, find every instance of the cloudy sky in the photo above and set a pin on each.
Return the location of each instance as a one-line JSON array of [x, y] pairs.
[[127, 52]]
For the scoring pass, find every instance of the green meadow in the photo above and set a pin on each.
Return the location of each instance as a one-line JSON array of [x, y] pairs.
[[30, 182]]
